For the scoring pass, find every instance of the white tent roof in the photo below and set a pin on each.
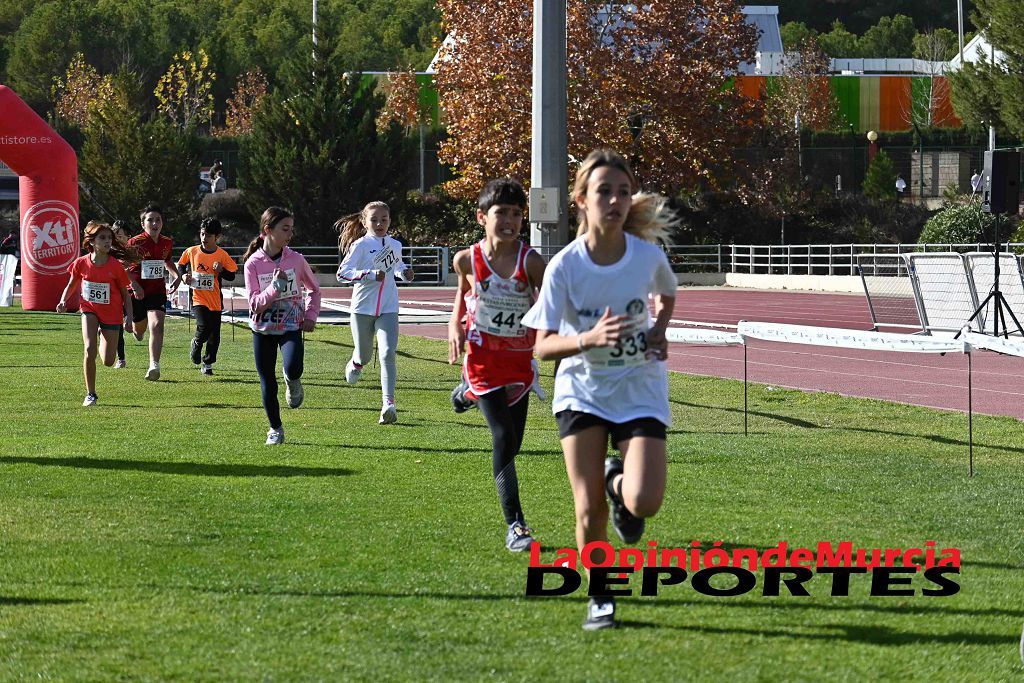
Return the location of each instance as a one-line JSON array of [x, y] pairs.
[[764, 17], [975, 48]]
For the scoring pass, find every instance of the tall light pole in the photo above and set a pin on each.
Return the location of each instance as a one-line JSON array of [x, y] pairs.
[[549, 173], [960, 28], [314, 28]]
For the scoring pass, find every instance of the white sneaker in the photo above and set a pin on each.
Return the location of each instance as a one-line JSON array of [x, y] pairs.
[[275, 437], [388, 414], [90, 400], [153, 374], [121, 364], [206, 369], [293, 392], [353, 372]]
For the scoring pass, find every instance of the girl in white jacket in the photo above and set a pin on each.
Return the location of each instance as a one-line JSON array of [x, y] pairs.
[[372, 262]]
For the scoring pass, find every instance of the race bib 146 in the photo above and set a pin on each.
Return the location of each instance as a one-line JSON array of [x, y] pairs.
[[203, 282]]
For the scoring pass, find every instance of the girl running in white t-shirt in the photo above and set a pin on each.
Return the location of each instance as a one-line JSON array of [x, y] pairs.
[[593, 314], [372, 261]]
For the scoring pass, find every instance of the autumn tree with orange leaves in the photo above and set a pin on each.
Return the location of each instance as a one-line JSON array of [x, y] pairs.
[[653, 83], [249, 91], [80, 91], [402, 104]]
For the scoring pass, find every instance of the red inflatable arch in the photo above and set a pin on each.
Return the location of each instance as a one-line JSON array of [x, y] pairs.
[[48, 194]]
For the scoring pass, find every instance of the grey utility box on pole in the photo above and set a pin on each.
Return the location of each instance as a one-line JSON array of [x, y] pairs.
[[549, 182]]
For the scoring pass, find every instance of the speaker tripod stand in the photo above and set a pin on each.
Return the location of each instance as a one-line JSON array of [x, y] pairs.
[[996, 298]]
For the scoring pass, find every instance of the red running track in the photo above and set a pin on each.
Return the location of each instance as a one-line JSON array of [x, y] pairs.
[[920, 379]]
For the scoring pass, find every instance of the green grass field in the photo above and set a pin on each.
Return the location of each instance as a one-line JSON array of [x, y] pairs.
[[155, 537]]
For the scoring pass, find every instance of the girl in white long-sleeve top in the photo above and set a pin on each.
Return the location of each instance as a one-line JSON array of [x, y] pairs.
[[372, 261]]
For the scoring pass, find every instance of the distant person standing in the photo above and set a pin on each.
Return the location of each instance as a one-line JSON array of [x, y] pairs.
[[975, 182], [9, 254], [901, 185], [11, 244], [219, 183]]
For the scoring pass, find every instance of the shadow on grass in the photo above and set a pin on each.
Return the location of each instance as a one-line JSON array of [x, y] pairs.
[[875, 635], [187, 468], [483, 449], [16, 602], [902, 607], [935, 438], [796, 422]]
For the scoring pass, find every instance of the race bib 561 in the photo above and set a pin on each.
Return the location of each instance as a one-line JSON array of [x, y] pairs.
[[96, 292]]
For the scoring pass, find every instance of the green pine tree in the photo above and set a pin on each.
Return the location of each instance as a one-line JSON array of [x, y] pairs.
[[127, 162], [315, 147], [880, 180], [987, 94]]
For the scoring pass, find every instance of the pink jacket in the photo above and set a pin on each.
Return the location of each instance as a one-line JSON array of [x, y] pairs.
[[271, 309]]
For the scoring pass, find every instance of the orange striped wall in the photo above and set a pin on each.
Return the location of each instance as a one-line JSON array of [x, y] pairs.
[[879, 103], [894, 103]]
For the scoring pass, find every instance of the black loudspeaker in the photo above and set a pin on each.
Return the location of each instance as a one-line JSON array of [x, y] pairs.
[[1001, 184]]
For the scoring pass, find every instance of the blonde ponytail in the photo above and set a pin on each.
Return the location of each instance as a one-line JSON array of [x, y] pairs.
[[649, 216], [351, 227]]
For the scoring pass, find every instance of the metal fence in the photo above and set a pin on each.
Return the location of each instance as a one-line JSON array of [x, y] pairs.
[[431, 264], [830, 259]]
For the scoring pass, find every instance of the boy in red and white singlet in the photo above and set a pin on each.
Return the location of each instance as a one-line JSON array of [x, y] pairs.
[[498, 282]]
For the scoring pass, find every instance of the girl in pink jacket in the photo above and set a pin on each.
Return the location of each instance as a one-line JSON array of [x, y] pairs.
[[275, 280]]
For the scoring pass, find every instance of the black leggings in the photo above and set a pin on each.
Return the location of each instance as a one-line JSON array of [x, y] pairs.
[[507, 425], [208, 332], [264, 347]]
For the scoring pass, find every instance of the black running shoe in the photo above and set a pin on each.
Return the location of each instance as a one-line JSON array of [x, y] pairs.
[[628, 526], [196, 352], [600, 614], [459, 401]]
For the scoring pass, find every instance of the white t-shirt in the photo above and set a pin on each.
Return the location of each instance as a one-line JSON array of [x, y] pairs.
[[616, 384], [367, 255]]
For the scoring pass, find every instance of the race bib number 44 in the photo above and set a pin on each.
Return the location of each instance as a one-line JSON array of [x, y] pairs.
[[501, 315], [203, 282], [96, 292], [153, 269]]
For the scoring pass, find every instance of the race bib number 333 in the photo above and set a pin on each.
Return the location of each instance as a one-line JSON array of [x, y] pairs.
[[630, 351]]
